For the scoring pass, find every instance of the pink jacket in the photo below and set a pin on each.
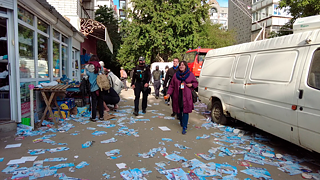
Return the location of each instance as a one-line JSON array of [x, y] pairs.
[[173, 90]]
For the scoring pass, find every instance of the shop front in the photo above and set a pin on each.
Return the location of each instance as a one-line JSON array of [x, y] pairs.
[[37, 44]]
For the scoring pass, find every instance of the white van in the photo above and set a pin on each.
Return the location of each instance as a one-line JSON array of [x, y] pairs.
[[271, 84], [162, 66]]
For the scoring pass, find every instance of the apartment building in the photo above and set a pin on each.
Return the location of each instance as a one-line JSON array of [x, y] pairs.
[[218, 14], [266, 14], [239, 19]]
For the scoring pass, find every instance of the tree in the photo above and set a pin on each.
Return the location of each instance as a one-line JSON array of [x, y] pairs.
[[161, 30], [105, 15], [212, 36], [298, 9]]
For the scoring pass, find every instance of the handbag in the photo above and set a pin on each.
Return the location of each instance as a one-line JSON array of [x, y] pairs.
[[194, 96]]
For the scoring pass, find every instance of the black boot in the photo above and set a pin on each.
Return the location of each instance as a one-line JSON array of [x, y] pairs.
[[136, 113]]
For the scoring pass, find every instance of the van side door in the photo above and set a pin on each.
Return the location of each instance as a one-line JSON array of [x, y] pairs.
[[237, 83], [309, 101], [270, 92]]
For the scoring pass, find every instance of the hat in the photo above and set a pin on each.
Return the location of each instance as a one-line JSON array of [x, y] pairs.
[[121, 68], [141, 58]]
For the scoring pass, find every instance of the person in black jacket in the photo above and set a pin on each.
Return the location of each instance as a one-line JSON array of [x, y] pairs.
[[140, 83], [168, 78]]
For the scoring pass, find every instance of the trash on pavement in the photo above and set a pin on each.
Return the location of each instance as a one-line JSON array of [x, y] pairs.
[[111, 140], [82, 164], [87, 144]]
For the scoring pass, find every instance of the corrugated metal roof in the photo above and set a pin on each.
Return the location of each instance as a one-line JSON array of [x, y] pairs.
[[293, 40]]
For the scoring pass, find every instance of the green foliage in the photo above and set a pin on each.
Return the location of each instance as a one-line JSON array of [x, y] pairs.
[[298, 9], [106, 17], [212, 36], [162, 30]]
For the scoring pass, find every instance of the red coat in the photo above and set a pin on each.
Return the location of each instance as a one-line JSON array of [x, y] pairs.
[[173, 90]]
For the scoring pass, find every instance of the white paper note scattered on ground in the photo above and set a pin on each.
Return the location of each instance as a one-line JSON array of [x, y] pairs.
[[16, 161], [29, 158], [164, 128], [13, 145], [121, 165]]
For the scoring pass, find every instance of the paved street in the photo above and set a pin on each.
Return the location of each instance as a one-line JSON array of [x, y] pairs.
[[149, 137]]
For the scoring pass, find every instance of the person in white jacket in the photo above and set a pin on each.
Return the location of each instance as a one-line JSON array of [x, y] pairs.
[[115, 83]]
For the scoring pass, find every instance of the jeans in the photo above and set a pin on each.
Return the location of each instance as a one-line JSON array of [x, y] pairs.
[[124, 81], [94, 100], [183, 117], [156, 85], [137, 91]]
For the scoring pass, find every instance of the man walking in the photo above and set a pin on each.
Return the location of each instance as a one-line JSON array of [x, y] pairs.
[[168, 78], [140, 83], [123, 78], [156, 74]]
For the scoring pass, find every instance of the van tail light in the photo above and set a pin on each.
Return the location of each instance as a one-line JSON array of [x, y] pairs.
[[294, 107], [205, 88]]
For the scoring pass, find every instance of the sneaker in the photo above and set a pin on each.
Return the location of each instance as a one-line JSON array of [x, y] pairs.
[[93, 120], [184, 131], [101, 119], [136, 113], [173, 114], [157, 97], [144, 111], [168, 104]]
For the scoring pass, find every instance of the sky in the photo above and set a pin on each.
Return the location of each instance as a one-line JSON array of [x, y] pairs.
[[222, 3], [116, 2]]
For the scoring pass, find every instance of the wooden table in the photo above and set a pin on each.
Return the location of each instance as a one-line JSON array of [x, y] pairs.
[[50, 92]]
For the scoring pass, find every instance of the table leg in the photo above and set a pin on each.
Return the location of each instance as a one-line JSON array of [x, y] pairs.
[[50, 109], [44, 96], [56, 103]]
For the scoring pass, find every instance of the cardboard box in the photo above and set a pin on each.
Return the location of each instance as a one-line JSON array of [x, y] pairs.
[[66, 104]]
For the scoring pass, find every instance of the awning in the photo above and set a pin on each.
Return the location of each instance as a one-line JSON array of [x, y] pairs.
[[95, 29]]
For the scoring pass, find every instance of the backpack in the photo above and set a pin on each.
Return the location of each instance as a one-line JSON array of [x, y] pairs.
[[115, 82], [103, 82]]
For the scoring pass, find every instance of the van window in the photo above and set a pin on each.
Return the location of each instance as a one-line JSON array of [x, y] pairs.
[[201, 57], [314, 73], [242, 67], [274, 66], [189, 57], [220, 67]]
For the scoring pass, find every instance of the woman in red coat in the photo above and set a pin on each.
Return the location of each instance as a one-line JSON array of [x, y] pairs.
[[180, 88]]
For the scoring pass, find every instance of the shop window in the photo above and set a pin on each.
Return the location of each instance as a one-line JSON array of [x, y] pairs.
[[56, 34], [43, 57], [56, 61], [3, 10], [25, 98], [64, 39], [26, 54], [25, 16], [42, 26], [64, 51]]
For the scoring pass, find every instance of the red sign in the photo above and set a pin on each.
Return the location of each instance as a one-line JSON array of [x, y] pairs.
[[25, 107]]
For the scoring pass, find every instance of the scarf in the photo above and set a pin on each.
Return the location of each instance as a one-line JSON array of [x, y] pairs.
[[182, 76], [96, 66], [175, 67]]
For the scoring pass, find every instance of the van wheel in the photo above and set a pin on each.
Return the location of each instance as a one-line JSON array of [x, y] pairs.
[[217, 113]]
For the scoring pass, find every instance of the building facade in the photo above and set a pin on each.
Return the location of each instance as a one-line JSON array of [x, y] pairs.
[[38, 45], [265, 14], [218, 14], [239, 20]]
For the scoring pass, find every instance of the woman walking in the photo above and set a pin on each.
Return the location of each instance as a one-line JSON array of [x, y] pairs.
[[180, 88]]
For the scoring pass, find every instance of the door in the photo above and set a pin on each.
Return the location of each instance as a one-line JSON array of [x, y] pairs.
[[238, 87], [75, 65], [309, 101], [5, 109]]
